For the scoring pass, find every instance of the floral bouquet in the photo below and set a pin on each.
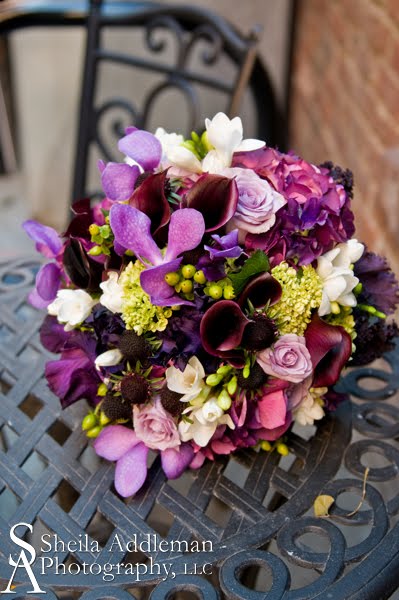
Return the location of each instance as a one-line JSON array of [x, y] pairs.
[[209, 301]]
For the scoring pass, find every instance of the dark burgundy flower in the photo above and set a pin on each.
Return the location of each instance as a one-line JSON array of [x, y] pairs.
[[330, 348], [221, 329], [374, 338], [84, 272], [215, 197], [261, 290], [380, 286], [150, 198]]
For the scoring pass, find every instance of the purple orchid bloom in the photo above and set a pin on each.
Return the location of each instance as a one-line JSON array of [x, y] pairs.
[[121, 444], [118, 179], [225, 246], [48, 278], [132, 230]]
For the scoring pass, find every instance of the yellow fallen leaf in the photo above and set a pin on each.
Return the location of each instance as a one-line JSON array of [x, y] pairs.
[[322, 504]]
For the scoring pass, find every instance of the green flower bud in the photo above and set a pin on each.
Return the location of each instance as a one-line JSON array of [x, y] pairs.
[[94, 432], [282, 449], [102, 389], [335, 308], [228, 292], [199, 277], [215, 291], [105, 231], [188, 271], [224, 400], [213, 379], [224, 370], [89, 421], [358, 288], [95, 251], [265, 445], [246, 371], [232, 385], [104, 420], [172, 278], [205, 141]]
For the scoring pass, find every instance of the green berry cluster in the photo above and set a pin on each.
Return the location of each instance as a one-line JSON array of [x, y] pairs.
[[183, 280], [102, 236], [96, 420], [225, 379], [220, 289]]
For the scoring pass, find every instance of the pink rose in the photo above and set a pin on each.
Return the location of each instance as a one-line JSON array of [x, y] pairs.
[[155, 427], [258, 202], [288, 359]]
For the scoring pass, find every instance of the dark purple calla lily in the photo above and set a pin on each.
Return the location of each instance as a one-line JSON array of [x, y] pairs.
[[81, 221], [118, 179], [330, 347], [150, 198], [221, 329], [120, 444], [132, 230], [261, 290], [216, 198], [81, 270]]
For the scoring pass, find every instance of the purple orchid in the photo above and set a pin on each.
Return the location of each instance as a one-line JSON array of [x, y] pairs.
[[121, 444], [132, 230], [226, 246], [119, 179], [48, 278]]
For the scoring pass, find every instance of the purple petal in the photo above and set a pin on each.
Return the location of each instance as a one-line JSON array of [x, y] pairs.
[[175, 461], [101, 165], [119, 249], [143, 147], [47, 239], [114, 441], [131, 471], [48, 282], [131, 228], [37, 301], [53, 335], [153, 283], [186, 229], [118, 180]]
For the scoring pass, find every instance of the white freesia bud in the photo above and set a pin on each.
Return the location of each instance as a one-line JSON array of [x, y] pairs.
[[189, 382], [309, 411], [71, 307], [112, 295], [109, 358], [334, 268], [203, 422]]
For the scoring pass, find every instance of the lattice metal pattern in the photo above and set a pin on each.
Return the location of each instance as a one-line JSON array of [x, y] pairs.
[[256, 509]]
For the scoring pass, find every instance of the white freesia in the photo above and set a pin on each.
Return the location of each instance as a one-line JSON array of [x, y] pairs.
[[334, 268], [71, 307], [189, 382], [203, 422], [225, 136], [109, 358], [310, 409], [112, 294]]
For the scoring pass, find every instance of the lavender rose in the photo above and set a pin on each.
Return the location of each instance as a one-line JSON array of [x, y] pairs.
[[288, 359], [155, 427], [258, 202]]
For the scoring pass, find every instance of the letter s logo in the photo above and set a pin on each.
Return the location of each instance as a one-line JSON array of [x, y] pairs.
[[23, 561]]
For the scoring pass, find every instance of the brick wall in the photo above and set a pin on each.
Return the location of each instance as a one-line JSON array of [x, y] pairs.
[[346, 105]]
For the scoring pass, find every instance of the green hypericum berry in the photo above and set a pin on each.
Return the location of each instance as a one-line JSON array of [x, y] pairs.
[[172, 278], [228, 292], [94, 432], [282, 449], [94, 229], [188, 271], [199, 277], [265, 445], [215, 291], [102, 390], [224, 400], [105, 231], [89, 421], [186, 286]]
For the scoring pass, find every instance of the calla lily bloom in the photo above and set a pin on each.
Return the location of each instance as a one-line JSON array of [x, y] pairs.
[[330, 348], [132, 230], [216, 198], [121, 444]]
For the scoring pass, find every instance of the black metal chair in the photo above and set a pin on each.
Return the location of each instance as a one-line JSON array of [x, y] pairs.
[[209, 55], [186, 72]]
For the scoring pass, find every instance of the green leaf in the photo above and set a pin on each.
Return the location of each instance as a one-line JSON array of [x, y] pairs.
[[322, 504], [254, 265]]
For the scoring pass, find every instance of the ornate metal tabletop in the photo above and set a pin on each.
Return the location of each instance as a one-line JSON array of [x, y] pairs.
[[239, 528]]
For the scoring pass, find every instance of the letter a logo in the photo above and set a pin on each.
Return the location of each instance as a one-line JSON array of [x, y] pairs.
[[23, 561]]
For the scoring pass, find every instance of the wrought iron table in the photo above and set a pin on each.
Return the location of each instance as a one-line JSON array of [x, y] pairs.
[[254, 508]]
